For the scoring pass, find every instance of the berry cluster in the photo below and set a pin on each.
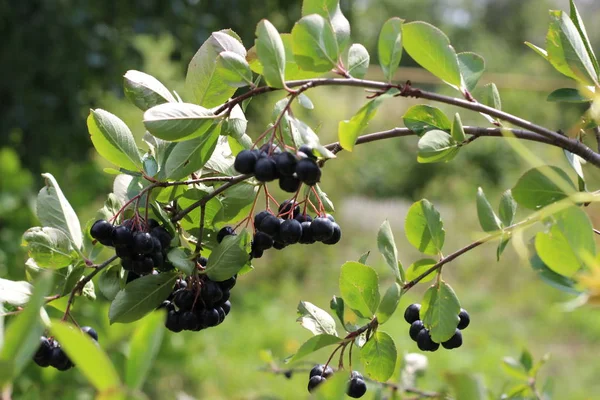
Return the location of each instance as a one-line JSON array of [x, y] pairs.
[[288, 227], [50, 353], [269, 163], [198, 303], [141, 246], [319, 374], [422, 336]]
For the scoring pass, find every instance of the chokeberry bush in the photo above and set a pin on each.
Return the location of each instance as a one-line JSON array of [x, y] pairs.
[[193, 208]]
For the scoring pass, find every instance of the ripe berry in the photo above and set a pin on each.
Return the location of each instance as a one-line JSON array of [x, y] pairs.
[[189, 321], [307, 236], [226, 307], [258, 218], [209, 317], [228, 283], [412, 313], [203, 261], [265, 170], [465, 320], [245, 161], [59, 359], [90, 331], [142, 243], [285, 209], [123, 252], [290, 231], [102, 231], [277, 245], [122, 237], [221, 314], [225, 297], [173, 321], [270, 225], [163, 236], [143, 266], [289, 184], [226, 231], [356, 374], [157, 259], [152, 223], [424, 341], [288, 374], [156, 245], [43, 355], [211, 293], [337, 235], [269, 149], [314, 382], [320, 369], [308, 151], [454, 342], [308, 171], [262, 241], [321, 228], [184, 299], [256, 253], [286, 163], [330, 217], [356, 388], [303, 218], [415, 328]]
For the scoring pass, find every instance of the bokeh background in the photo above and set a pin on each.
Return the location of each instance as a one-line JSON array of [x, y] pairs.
[[59, 58]]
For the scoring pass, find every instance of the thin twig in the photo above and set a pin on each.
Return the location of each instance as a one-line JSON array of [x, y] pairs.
[[597, 134]]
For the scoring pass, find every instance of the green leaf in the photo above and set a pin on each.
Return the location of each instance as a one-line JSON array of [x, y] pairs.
[[358, 61], [144, 346], [553, 279], [49, 247], [538, 50], [181, 259], [387, 248], [488, 219], [140, 297], [22, 335], [190, 155], [514, 368], [566, 50], [389, 47], [337, 305], [237, 203], [330, 10], [363, 258], [229, 257], [203, 78], [113, 140], [53, 210], [234, 69], [439, 311], [508, 208], [389, 303], [89, 357], [578, 22], [313, 344], [314, 44], [436, 146], [422, 118], [16, 293], [431, 49], [178, 121], [310, 138], [305, 101], [424, 228], [535, 189], [471, 67], [271, 53], [569, 245], [526, 360], [501, 246], [458, 132], [349, 130], [150, 165], [567, 95], [109, 282], [316, 320], [490, 96], [575, 162], [145, 91], [379, 356], [235, 125], [420, 267], [359, 287], [467, 386]]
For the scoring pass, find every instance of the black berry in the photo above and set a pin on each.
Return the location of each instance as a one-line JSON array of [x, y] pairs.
[[258, 218], [226, 307], [228, 283], [245, 161], [162, 235], [285, 209], [319, 370], [270, 225], [337, 234], [454, 342], [59, 359], [424, 341], [142, 243], [189, 321], [262, 241], [308, 171], [307, 236], [90, 331], [173, 321], [314, 382], [256, 253], [290, 231], [226, 231], [415, 328], [43, 355], [184, 299], [265, 170], [102, 231], [209, 317], [465, 320], [308, 151], [122, 237], [356, 388], [289, 184], [286, 163], [203, 261], [211, 293], [321, 228], [412, 313]]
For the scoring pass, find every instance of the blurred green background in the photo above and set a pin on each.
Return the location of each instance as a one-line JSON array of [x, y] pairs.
[[60, 58]]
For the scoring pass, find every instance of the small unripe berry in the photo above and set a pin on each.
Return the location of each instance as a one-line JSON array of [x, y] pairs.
[[245, 161], [412, 313]]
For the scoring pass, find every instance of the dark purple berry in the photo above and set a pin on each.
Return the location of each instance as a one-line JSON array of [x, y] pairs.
[[337, 235], [122, 237], [321, 228], [425, 342], [270, 225], [262, 241], [356, 388], [286, 163], [90, 331], [330, 217], [415, 328], [163, 236], [303, 218], [157, 246], [143, 266], [184, 299], [265, 170], [308, 171], [226, 231], [285, 209], [315, 381], [277, 245], [152, 223], [209, 317], [142, 243], [60, 360], [124, 252], [173, 322], [157, 259], [319, 370], [258, 218], [245, 161], [226, 307], [455, 341], [211, 293], [222, 314], [465, 320], [356, 374], [290, 231], [102, 231], [255, 253], [228, 284], [189, 321], [308, 151], [412, 313], [289, 184], [307, 236], [43, 355]]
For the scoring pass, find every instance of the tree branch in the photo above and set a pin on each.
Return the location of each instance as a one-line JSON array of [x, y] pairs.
[[572, 145]]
